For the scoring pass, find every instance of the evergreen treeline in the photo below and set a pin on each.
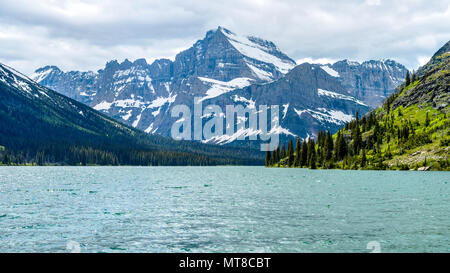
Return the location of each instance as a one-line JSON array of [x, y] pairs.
[[139, 149], [52, 154], [35, 151]]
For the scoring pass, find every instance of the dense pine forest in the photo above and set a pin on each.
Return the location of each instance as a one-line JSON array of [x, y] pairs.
[[54, 153], [410, 131], [39, 143], [368, 143]]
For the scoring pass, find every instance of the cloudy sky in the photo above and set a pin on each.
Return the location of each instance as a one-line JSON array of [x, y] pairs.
[[84, 35]]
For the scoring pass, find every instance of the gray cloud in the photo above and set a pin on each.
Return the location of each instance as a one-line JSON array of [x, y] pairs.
[[83, 35]]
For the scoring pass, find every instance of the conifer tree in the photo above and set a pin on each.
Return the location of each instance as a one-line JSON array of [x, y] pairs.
[[328, 146], [388, 152], [364, 124], [297, 153], [341, 147], [290, 153], [5, 159], [304, 153], [312, 164], [283, 151], [336, 154], [407, 79], [40, 158], [275, 156], [311, 151], [267, 162], [357, 139], [363, 158]]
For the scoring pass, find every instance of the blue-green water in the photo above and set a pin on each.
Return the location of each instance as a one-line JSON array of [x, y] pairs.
[[222, 209]]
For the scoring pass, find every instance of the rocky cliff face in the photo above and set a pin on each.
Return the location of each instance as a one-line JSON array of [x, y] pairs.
[[73, 84], [220, 68], [370, 81], [433, 84], [309, 100], [224, 56]]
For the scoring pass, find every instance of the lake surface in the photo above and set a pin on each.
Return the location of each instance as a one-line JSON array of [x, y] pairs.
[[222, 209]]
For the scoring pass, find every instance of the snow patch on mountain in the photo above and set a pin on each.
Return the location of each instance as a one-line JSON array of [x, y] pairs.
[[104, 105], [246, 133], [136, 122], [156, 112], [327, 115], [278, 130], [285, 109], [127, 116], [39, 76], [255, 51], [352, 63], [250, 103], [20, 81], [261, 74], [150, 129], [330, 71], [134, 103], [129, 103], [218, 88], [160, 101], [335, 95], [300, 112]]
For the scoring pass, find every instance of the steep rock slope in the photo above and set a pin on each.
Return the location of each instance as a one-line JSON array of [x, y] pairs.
[[371, 81], [309, 100]]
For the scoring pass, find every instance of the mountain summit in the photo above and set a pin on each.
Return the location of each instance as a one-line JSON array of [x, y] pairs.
[[223, 55]]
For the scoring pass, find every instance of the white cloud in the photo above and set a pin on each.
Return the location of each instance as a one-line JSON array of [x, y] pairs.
[[373, 2], [316, 61], [422, 60], [84, 35]]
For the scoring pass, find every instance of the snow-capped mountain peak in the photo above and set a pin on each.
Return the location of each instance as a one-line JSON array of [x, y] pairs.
[[225, 68], [259, 50], [21, 83], [223, 55], [44, 72]]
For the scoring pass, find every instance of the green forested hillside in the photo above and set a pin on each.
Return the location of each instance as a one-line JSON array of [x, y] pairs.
[[409, 131], [40, 126]]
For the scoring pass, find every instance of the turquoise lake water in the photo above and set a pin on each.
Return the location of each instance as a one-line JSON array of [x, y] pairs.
[[222, 209]]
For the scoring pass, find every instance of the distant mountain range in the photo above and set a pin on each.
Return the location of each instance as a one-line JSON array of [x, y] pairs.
[[226, 68], [41, 126]]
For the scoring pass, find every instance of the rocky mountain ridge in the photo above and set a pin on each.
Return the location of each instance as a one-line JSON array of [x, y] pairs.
[[142, 94]]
